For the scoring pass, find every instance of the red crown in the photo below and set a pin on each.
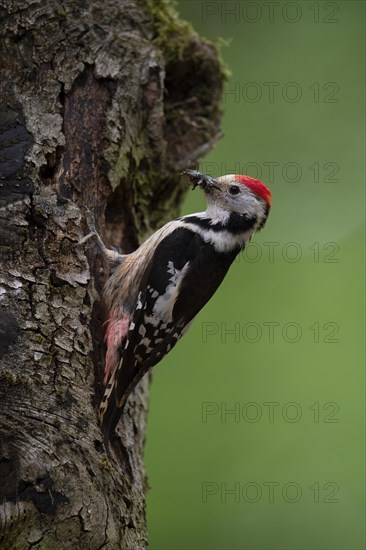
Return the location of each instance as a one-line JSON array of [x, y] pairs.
[[257, 187]]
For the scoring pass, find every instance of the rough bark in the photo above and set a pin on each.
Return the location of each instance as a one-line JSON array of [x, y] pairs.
[[102, 103]]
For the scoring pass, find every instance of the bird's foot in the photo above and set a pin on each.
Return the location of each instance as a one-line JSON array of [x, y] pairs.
[[111, 256]]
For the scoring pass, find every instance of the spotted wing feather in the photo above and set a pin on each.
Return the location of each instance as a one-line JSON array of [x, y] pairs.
[[179, 280]]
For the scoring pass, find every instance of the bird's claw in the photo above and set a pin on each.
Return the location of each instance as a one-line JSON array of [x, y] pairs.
[[111, 255]]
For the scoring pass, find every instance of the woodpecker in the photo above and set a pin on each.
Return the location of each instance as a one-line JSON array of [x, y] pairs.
[[155, 292]]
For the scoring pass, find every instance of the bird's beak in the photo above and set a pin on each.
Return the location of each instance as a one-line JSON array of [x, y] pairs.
[[201, 180]]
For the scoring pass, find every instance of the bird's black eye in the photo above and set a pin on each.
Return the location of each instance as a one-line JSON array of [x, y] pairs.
[[233, 189]]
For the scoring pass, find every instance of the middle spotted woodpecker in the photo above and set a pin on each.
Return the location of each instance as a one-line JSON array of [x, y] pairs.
[[154, 293]]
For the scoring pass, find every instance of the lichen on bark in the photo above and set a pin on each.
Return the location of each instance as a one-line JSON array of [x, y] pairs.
[[102, 104]]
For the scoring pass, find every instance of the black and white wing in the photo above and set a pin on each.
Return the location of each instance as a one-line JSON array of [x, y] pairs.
[[182, 275]]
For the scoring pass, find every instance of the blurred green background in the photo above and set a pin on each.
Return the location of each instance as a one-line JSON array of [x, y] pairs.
[[284, 470]]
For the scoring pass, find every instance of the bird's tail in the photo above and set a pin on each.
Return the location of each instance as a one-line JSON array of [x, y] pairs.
[[113, 402], [109, 412]]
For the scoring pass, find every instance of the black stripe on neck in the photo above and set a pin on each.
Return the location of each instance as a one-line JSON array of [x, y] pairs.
[[236, 223], [264, 218]]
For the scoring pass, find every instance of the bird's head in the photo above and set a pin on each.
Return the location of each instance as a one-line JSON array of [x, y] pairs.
[[236, 194]]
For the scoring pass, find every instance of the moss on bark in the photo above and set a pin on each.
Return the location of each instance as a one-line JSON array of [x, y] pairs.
[[103, 102]]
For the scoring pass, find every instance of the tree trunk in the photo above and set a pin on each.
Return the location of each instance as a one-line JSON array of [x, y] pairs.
[[102, 104]]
